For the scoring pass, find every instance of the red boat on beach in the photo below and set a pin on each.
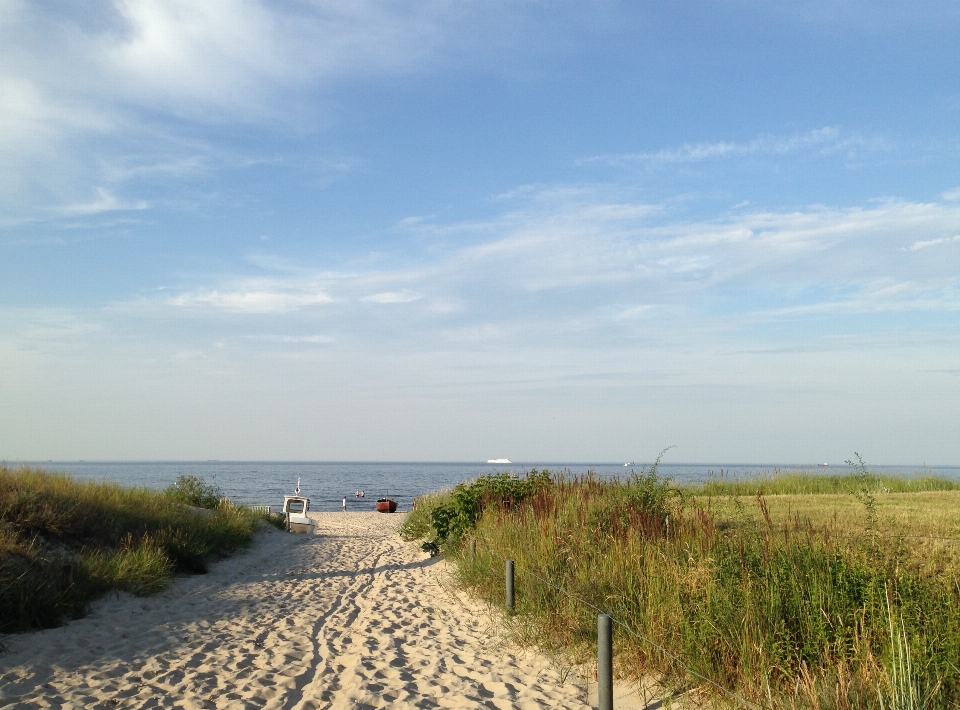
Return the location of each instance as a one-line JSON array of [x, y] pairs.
[[386, 505]]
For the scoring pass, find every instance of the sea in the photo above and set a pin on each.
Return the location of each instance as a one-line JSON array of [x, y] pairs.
[[326, 483]]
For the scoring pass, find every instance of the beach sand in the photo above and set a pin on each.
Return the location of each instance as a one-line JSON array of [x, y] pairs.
[[350, 617]]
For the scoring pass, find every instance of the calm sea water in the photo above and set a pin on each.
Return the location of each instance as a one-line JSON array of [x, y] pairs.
[[326, 482]]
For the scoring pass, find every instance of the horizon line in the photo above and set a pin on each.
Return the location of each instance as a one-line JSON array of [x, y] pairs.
[[5, 462]]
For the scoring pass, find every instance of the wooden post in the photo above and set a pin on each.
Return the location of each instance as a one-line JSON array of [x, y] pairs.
[[473, 550], [605, 662], [510, 585]]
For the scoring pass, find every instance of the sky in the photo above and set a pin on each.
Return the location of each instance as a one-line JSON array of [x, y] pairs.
[[453, 231]]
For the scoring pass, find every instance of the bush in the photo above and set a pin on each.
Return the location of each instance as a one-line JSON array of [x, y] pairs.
[[193, 490], [448, 516], [416, 524]]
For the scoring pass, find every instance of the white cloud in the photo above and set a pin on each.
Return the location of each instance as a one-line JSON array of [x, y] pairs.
[[393, 297], [105, 201], [256, 298], [952, 195], [554, 312], [923, 244], [570, 267], [293, 339], [187, 57], [825, 141], [190, 58], [639, 311], [86, 94]]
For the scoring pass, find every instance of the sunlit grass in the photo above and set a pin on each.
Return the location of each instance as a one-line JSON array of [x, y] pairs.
[[64, 542], [824, 599], [795, 482]]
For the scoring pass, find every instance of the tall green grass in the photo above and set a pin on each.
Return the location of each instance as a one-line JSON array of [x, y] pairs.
[[797, 615], [63, 543], [797, 483]]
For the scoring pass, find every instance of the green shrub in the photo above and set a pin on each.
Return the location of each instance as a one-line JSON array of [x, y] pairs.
[[193, 490], [468, 501], [416, 523]]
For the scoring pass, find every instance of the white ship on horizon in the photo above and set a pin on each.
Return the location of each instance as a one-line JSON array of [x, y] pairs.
[[499, 461]]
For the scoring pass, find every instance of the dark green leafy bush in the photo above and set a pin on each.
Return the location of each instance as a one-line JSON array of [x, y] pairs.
[[193, 490], [468, 500]]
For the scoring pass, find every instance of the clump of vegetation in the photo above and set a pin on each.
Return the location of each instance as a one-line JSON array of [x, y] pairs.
[[785, 609], [417, 524], [193, 490], [797, 483], [64, 543], [446, 516], [277, 520]]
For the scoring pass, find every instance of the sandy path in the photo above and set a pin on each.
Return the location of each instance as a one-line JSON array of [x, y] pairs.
[[351, 617]]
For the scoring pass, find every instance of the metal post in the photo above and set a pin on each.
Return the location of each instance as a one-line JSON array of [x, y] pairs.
[[510, 585], [473, 550], [605, 662]]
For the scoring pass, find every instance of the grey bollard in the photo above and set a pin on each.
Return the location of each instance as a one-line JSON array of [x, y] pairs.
[[473, 550], [510, 585], [605, 662]]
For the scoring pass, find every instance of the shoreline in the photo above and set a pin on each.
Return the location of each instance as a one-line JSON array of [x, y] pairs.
[[350, 616]]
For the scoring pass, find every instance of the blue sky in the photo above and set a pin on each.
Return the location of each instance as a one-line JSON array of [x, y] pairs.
[[460, 230]]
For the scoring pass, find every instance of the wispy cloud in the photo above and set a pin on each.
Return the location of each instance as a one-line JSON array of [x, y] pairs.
[[256, 297], [576, 269], [105, 201], [566, 307], [86, 96], [294, 339], [393, 297], [924, 244], [824, 141]]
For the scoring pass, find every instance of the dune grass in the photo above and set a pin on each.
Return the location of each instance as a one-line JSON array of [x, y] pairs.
[[818, 601], [64, 543], [799, 483]]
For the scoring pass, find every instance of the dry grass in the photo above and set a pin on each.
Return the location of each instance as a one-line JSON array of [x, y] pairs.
[[927, 513]]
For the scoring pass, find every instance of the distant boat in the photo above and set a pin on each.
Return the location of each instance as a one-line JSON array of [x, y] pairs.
[[499, 461], [823, 464], [629, 463]]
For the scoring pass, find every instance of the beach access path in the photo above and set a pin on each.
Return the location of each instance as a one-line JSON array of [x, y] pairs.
[[349, 617]]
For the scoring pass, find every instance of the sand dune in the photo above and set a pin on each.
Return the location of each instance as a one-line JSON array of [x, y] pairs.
[[351, 617]]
